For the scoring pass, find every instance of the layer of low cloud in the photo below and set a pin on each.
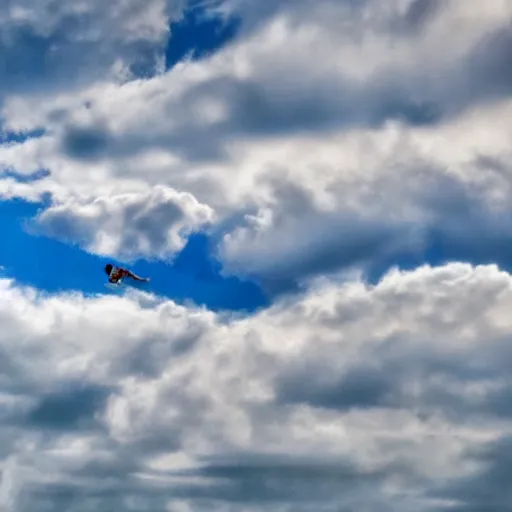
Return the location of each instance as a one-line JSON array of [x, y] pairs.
[[391, 397]]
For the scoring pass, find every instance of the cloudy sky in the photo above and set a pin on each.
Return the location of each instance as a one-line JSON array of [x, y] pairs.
[[321, 194]]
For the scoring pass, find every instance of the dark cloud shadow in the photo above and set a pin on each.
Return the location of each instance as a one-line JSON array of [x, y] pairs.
[[29, 60], [490, 64], [258, 109], [381, 377], [150, 358], [360, 388], [487, 490], [266, 480], [420, 12], [68, 409], [86, 143]]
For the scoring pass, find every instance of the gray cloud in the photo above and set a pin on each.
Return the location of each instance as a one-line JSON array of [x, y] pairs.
[[266, 481], [456, 224], [256, 109], [86, 143], [69, 408], [342, 398], [277, 99], [420, 12], [48, 46], [385, 379], [359, 387], [322, 402], [487, 489], [329, 100], [489, 67]]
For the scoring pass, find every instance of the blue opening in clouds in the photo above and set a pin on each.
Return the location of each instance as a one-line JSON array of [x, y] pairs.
[[440, 247], [198, 33], [24, 178], [8, 137], [53, 266], [194, 275]]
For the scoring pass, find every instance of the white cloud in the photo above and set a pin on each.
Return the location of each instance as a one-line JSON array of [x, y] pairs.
[[129, 226], [331, 135], [394, 393]]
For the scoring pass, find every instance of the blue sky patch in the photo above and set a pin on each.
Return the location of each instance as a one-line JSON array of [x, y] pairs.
[[53, 266], [198, 34], [24, 178], [10, 137]]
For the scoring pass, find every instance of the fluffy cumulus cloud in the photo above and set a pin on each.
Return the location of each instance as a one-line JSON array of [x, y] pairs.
[[128, 226], [392, 397]]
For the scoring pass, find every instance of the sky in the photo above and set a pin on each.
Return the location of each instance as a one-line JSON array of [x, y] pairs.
[[320, 192]]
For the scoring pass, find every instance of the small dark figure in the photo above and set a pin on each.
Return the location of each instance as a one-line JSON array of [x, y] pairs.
[[116, 274]]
